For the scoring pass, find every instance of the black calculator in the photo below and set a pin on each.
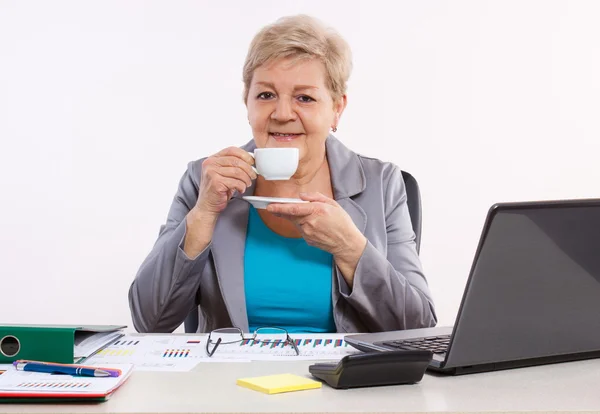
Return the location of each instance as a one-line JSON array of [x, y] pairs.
[[374, 369]]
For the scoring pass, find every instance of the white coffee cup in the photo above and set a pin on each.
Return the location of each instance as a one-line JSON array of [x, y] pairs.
[[276, 163]]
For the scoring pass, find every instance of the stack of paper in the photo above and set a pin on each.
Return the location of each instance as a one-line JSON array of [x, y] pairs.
[[27, 386], [88, 343]]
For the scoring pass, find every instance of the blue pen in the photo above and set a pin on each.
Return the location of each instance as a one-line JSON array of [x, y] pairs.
[[59, 369]]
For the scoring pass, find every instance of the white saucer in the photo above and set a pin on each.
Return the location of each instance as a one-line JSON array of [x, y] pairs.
[[263, 202]]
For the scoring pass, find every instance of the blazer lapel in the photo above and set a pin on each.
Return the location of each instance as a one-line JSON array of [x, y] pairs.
[[358, 215], [229, 240], [348, 180]]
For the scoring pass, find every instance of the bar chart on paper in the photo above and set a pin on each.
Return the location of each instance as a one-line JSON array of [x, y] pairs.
[[184, 352], [120, 348], [176, 353], [54, 385], [311, 347], [154, 353]]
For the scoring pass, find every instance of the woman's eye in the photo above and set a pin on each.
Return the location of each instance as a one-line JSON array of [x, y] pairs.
[[265, 95], [305, 98]]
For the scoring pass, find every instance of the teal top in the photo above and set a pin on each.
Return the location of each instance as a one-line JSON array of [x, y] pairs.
[[286, 281]]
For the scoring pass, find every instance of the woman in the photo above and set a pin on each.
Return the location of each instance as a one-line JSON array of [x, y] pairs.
[[345, 261]]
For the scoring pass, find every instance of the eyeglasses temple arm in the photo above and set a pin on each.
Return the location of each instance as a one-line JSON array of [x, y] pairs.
[[291, 341], [210, 353]]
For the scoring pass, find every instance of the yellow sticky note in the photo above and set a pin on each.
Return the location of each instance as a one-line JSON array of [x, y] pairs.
[[274, 384]]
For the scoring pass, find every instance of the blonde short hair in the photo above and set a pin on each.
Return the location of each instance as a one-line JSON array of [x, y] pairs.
[[301, 37]]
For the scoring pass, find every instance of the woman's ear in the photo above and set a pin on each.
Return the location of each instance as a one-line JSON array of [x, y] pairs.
[[338, 108]]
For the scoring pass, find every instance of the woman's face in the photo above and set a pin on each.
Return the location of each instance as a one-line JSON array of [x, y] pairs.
[[289, 105]]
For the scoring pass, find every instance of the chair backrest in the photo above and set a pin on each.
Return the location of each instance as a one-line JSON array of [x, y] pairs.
[[413, 199], [190, 324]]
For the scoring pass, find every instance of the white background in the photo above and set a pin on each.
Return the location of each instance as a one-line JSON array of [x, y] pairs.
[[102, 104]]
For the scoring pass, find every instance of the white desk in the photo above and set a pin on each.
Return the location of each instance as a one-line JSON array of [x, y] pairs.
[[568, 387]]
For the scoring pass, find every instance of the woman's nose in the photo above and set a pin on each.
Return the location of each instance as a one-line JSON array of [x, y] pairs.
[[283, 111]]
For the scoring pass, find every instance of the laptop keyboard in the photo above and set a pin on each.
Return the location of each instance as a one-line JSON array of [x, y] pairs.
[[435, 344]]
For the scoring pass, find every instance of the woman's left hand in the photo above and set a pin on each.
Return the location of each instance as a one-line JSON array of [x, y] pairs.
[[326, 225]]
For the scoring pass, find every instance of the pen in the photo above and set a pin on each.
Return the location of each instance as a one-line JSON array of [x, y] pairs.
[[60, 369]]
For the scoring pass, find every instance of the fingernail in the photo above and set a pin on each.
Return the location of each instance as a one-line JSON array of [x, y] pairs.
[[302, 194]]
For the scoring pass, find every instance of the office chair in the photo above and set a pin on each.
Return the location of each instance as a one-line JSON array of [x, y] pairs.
[[413, 199]]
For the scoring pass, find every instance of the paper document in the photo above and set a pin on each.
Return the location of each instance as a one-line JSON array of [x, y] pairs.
[[273, 348], [156, 352], [184, 352], [35, 384]]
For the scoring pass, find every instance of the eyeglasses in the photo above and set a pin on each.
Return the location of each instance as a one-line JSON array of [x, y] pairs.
[[234, 335]]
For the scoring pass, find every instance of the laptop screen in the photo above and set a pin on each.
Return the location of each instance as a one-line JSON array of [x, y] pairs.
[[534, 289]]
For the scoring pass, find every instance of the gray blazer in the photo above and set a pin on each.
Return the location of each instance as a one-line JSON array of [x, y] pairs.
[[389, 292]]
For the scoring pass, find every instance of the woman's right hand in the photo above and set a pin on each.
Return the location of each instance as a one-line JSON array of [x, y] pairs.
[[224, 173]]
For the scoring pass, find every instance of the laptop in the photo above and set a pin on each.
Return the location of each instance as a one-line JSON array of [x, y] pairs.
[[532, 296]]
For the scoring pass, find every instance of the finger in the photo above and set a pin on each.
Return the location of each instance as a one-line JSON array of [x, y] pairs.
[[293, 210], [237, 173], [236, 162], [318, 197], [236, 152], [293, 219], [228, 185]]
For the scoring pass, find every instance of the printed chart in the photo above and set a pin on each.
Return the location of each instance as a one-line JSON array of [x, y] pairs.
[[153, 353], [275, 347], [184, 352], [33, 383], [53, 385]]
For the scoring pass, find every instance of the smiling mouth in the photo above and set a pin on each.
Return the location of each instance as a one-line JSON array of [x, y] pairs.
[[283, 134], [280, 136]]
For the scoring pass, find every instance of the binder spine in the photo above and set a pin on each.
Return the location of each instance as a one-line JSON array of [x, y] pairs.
[[51, 344]]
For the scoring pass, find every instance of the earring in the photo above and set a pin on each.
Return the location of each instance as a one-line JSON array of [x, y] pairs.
[[334, 129]]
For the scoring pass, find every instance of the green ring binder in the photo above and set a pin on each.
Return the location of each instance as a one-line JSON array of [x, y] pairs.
[[50, 343]]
